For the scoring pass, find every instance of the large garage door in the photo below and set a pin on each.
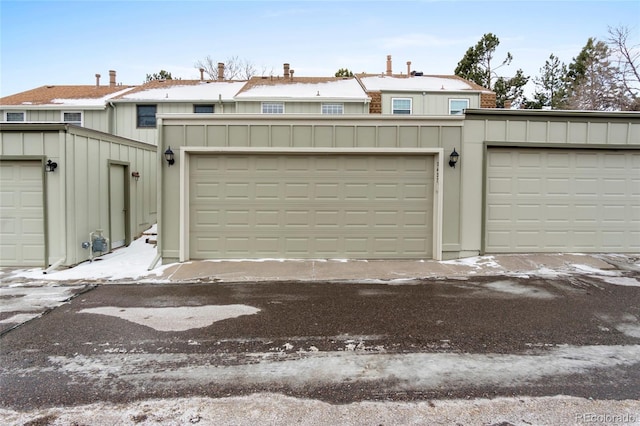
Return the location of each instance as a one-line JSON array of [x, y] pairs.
[[21, 214], [302, 206], [562, 200]]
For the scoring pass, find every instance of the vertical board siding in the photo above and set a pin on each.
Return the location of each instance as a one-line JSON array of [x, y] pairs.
[[77, 192]]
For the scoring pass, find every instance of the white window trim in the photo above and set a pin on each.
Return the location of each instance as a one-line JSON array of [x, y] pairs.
[[62, 113], [402, 99], [24, 116], [271, 103], [458, 100], [332, 104]]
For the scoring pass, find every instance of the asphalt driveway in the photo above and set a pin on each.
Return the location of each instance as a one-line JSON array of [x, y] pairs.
[[335, 342]]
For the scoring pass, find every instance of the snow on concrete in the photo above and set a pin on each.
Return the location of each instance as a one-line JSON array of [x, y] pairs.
[[175, 318], [270, 408], [411, 371], [24, 299], [623, 281], [127, 263], [477, 262], [517, 289]]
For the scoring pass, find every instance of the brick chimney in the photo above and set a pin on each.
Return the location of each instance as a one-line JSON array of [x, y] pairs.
[[97, 80], [286, 71], [220, 71], [291, 72], [112, 78], [408, 68], [507, 104], [201, 74], [389, 69]]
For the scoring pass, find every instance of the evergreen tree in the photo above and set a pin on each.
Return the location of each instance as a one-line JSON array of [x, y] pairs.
[[594, 80], [477, 66], [551, 85], [344, 72], [162, 75]]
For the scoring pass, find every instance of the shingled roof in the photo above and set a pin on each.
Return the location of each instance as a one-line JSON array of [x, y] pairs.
[[65, 95], [426, 83], [302, 88], [183, 90]]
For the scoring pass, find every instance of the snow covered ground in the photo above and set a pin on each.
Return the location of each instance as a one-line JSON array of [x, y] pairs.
[[22, 293], [272, 409]]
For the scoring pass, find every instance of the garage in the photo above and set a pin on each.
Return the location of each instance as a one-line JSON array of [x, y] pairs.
[[22, 241], [302, 205], [562, 200]]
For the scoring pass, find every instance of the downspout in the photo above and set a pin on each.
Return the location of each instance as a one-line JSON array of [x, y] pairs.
[[63, 205], [112, 118], [159, 189]]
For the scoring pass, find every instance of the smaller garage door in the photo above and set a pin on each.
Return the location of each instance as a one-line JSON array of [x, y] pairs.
[[557, 200], [21, 214]]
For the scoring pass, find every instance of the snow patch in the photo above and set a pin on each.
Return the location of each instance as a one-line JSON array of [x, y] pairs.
[[175, 318], [516, 289], [410, 371], [130, 262], [622, 281]]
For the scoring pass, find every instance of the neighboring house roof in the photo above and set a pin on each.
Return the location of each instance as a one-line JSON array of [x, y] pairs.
[[302, 88], [62, 96], [183, 90], [424, 83]]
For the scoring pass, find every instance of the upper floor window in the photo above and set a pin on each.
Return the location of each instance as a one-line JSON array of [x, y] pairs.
[[203, 109], [14, 116], [146, 115], [401, 105], [273, 108], [72, 117], [457, 106], [332, 108]]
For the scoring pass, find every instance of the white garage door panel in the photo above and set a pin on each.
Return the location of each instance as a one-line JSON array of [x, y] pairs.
[[562, 200], [311, 206], [21, 214]]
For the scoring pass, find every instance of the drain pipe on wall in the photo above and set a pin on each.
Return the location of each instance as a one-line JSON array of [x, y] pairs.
[[159, 162], [62, 226]]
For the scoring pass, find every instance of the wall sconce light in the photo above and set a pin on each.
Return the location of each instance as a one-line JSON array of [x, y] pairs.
[[135, 175], [50, 166], [168, 155], [453, 158]]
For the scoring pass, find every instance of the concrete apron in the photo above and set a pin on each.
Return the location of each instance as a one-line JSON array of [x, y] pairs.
[[383, 270]]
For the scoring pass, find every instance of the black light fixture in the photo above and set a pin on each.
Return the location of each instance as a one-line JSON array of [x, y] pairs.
[[135, 175], [50, 166], [453, 158], [168, 155]]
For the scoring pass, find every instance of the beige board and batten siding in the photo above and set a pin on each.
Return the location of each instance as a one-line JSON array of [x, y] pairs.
[[77, 193], [354, 150], [125, 124], [557, 181], [429, 103]]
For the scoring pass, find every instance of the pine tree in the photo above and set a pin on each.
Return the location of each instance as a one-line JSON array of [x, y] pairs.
[[162, 75], [477, 66], [551, 85], [594, 80], [344, 72]]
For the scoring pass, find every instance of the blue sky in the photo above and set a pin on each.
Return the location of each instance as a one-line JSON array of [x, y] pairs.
[[68, 42]]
